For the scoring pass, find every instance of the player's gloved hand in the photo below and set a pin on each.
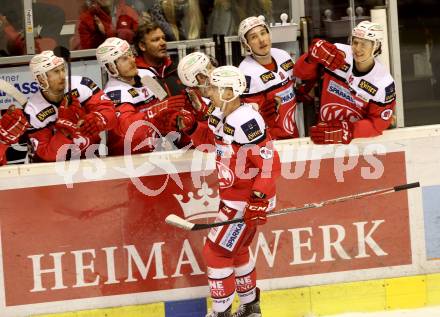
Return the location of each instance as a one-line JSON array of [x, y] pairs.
[[92, 123], [255, 211], [186, 122], [12, 125], [168, 105], [66, 127], [326, 54], [71, 109], [333, 132], [201, 109]]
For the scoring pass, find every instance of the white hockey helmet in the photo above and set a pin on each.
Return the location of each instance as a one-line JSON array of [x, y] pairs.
[[369, 31], [41, 63], [228, 77], [245, 26], [190, 66], [109, 51]]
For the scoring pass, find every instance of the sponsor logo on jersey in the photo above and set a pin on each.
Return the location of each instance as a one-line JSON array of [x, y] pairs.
[[46, 113], [88, 82], [287, 65], [266, 77], [386, 114], [368, 87], [337, 111], [286, 95], [345, 67], [266, 153], [390, 93], [225, 176], [251, 129], [133, 92], [213, 120], [233, 235], [75, 92], [362, 97], [248, 84], [229, 130], [115, 96], [340, 91]]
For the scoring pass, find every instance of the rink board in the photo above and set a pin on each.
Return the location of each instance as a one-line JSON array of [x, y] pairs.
[[84, 235]]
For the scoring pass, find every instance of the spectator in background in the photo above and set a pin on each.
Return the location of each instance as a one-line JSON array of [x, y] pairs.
[[48, 20], [178, 19], [11, 41], [106, 18], [226, 14]]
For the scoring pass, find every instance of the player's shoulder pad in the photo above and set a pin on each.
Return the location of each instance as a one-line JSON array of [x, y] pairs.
[[283, 59], [252, 71], [245, 125], [115, 96], [384, 82], [39, 111], [83, 88]]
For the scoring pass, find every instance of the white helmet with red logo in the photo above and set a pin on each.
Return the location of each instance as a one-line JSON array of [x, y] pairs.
[[245, 26], [190, 66], [41, 63], [228, 77], [109, 51], [369, 31]]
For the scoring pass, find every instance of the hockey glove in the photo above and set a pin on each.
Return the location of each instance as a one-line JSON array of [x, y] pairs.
[[333, 132], [326, 54], [66, 127], [255, 211], [186, 122], [71, 109], [201, 109], [173, 103], [92, 123], [12, 125]]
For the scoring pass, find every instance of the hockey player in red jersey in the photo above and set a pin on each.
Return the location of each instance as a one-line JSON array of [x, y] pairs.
[[269, 77], [242, 145], [139, 112], [13, 124], [358, 94], [57, 120]]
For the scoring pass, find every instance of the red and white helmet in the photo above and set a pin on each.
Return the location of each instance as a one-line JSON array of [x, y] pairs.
[[228, 77], [190, 66], [109, 51], [41, 63], [369, 31], [245, 26]]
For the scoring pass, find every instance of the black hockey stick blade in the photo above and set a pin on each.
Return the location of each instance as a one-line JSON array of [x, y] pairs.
[[179, 222], [63, 52]]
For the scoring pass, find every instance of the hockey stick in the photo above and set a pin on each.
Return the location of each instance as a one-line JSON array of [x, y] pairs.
[[10, 90], [152, 84], [64, 53], [177, 221]]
